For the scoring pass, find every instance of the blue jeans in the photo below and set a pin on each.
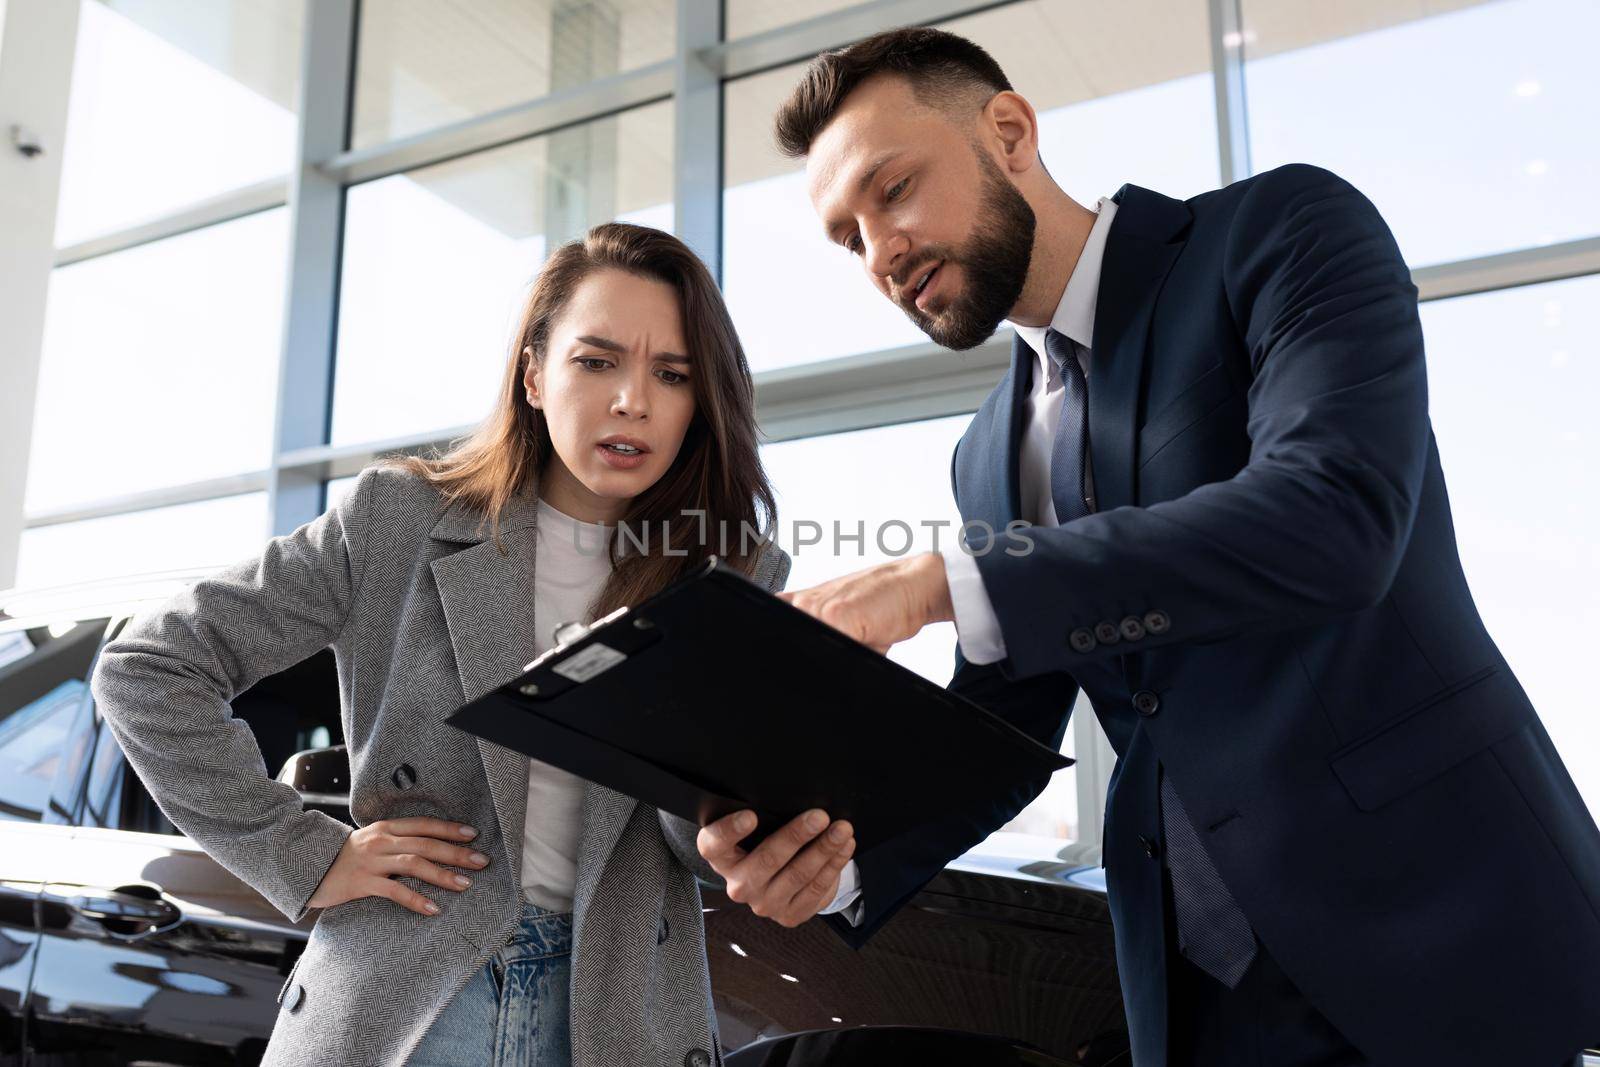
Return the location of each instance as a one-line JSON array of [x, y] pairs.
[[512, 1013]]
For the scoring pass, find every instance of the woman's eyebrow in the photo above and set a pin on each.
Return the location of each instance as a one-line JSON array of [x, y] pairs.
[[617, 346], [603, 342]]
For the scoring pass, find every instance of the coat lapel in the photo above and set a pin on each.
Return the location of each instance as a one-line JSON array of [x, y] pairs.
[[487, 593], [1146, 237], [986, 459], [488, 598]]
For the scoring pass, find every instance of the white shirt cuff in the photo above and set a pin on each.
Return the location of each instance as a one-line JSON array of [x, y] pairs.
[[849, 890], [977, 627]]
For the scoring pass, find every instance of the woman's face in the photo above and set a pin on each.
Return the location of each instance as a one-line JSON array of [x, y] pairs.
[[614, 387]]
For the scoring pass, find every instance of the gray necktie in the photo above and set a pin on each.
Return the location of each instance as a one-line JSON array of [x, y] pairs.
[[1069, 453], [1213, 933]]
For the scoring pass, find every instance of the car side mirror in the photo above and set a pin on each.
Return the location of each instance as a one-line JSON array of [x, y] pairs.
[[319, 773]]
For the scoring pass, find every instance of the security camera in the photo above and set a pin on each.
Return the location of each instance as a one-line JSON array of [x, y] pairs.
[[27, 142]]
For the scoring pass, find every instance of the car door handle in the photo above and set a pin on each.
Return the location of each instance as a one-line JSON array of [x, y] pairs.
[[128, 910]]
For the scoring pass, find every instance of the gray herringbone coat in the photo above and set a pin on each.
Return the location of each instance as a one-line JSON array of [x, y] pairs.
[[422, 612]]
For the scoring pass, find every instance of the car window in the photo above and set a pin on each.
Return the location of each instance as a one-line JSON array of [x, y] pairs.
[[44, 704], [288, 712]]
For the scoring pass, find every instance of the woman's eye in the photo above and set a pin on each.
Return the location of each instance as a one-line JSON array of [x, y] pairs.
[[672, 377], [897, 189], [593, 362]]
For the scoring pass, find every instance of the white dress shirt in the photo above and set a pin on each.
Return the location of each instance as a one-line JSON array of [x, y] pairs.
[[977, 628]]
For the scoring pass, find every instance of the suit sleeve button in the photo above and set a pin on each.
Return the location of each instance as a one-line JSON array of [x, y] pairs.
[[1148, 844], [1156, 622], [1082, 640], [1146, 703], [1132, 628], [296, 997], [1107, 633]]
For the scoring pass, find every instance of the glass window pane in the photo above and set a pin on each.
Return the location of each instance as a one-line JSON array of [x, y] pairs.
[[1462, 126], [42, 695], [334, 490], [743, 18], [172, 103], [837, 514], [422, 63], [1124, 94], [438, 260], [827, 495], [139, 542], [160, 364], [1512, 378], [32, 744]]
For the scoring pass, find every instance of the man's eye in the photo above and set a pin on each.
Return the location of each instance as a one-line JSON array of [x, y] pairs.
[[854, 245], [897, 189]]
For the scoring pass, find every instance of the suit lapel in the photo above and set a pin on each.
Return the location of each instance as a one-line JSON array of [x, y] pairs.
[[487, 595], [1144, 243], [986, 460]]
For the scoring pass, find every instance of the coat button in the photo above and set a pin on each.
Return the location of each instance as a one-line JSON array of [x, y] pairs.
[[1156, 622], [1148, 844], [662, 931], [1107, 633], [1082, 640], [697, 1057], [1132, 628], [1146, 703], [296, 997], [405, 776]]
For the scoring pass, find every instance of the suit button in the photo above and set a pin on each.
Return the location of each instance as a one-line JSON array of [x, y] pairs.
[[1156, 622], [1132, 628], [1081, 640], [296, 997], [1148, 844], [1107, 633], [697, 1057], [662, 931], [1146, 703], [405, 776]]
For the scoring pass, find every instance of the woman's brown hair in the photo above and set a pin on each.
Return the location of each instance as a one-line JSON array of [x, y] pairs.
[[717, 473]]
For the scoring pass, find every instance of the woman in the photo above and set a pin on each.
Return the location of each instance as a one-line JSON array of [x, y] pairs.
[[479, 889]]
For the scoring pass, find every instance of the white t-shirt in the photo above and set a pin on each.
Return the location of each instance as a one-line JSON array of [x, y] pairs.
[[571, 566]]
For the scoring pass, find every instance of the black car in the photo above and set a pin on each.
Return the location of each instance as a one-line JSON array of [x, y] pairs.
[[121, 942]]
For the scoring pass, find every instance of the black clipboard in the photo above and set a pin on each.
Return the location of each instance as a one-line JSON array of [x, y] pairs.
[[713, 696]]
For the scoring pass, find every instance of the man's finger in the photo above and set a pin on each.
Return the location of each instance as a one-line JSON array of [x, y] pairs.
[[800, 871], [818, 893], [718, 842], [757, 870]]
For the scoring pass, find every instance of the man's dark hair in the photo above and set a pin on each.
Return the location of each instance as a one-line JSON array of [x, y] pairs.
[[945, 71]]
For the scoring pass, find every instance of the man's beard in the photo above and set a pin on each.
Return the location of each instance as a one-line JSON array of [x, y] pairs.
[[994, 265]]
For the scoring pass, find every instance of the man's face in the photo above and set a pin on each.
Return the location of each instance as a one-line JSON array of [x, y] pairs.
[[939, 229]]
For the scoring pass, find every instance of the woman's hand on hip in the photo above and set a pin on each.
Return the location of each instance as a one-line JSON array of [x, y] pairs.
[[375, 856]]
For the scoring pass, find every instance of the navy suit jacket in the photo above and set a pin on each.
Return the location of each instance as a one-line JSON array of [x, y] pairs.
[[1268, 607]]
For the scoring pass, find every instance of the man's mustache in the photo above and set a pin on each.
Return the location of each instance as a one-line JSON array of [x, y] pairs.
[[908, 275]]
